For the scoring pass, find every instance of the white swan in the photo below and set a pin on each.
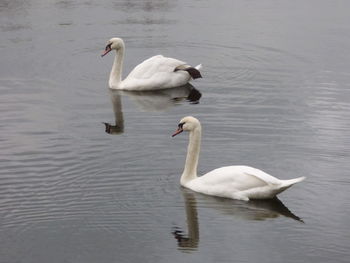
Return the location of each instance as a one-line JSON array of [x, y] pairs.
[[157, 72], [236, 182]]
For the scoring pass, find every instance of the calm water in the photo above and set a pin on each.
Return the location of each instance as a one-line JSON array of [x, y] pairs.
[[275, 95]]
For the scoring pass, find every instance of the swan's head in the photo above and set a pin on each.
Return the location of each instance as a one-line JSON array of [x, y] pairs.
[[188, 123], [114, 43]]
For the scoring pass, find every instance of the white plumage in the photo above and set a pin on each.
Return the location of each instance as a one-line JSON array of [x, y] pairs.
[[236, 182], [157, 72]]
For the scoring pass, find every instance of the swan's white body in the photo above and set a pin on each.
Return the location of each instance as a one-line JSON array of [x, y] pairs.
[[240, 182], [157, 72], [236, 182]]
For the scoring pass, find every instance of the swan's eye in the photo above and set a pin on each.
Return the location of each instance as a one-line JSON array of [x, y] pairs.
[[181, 125]]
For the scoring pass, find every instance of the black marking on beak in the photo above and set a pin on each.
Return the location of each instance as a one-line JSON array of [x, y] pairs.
[[179, 129], [108, 47]]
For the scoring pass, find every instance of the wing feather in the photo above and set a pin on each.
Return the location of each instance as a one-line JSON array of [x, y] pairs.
[[154, 65], [238, 177]]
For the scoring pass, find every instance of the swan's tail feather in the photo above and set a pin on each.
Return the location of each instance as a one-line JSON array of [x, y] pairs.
[[193, 71], [198, 67], [288, 183]]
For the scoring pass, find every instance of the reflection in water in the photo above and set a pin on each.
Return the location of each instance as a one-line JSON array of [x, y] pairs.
[[157, 100], [256, 210], [118, 127], [149, 6], [191, 240], [264, 209], [251, 210]]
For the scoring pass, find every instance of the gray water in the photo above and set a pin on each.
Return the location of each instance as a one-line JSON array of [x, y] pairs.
[[275, 95]]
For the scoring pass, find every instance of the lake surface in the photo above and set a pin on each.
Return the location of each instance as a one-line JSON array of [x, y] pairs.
[[275, 95]]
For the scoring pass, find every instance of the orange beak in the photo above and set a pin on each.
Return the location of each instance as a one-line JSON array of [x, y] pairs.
[[106, 51], [179, 130]]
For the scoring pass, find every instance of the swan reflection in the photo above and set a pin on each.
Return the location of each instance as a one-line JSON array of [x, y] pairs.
[[158, 100], [118, 126], [190, 240], [251, 210]]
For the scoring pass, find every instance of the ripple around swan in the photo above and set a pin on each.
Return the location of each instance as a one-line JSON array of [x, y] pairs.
[[244, 63], [275, 95]]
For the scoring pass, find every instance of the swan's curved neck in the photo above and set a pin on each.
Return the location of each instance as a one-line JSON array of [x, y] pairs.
[[194, 145], [115, 76]]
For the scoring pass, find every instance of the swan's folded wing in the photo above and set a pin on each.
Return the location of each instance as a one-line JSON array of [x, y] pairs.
[[239, 178], [260, 175], [154, 65]]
